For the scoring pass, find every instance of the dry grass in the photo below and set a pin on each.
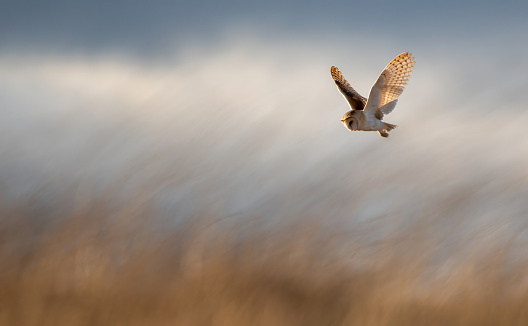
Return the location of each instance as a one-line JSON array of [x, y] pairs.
[[337, 228], [94, 263]]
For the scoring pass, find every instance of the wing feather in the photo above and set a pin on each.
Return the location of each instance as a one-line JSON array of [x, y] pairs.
[[389, 86], [356, 101]]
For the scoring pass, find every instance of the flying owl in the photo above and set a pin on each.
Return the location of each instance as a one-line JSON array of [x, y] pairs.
[[367, 114]]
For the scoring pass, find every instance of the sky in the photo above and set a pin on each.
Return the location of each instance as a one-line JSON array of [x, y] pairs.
[[138, 28], [230, 105]]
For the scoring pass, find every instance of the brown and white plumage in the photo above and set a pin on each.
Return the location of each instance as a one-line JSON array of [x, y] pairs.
[[367, 114], [356, 101]]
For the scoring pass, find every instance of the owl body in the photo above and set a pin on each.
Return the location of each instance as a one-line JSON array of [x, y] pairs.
[[355, 120], [367, 114]]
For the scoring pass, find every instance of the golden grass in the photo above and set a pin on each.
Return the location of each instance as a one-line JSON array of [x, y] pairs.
[[94, 263]]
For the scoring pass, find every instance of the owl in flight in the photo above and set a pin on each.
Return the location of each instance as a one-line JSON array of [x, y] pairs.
[[367, 114]]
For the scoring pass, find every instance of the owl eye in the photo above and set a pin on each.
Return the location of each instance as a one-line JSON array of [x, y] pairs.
[[350, 123]]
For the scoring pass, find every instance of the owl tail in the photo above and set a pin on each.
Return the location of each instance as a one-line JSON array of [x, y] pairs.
[[388, 127]]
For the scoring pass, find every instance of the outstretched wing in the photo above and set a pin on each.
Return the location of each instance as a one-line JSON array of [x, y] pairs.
[[356, 101], [390, 84]]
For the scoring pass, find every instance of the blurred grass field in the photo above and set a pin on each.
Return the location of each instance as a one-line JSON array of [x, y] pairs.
[[101, 264], [219, 188]]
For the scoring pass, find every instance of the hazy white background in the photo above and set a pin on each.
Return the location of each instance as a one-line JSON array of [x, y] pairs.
[[229, 106]]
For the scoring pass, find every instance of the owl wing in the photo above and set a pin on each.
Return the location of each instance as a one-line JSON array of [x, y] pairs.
[[390, 84], [356, 101]]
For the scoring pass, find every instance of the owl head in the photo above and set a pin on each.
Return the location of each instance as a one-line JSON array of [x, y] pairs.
[[350, 120]]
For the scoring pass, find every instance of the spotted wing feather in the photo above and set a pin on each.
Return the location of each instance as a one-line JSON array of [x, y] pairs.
[[389, 86], [356, 101]]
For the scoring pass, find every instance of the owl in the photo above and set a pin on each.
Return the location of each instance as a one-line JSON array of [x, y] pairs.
[[367, 114]]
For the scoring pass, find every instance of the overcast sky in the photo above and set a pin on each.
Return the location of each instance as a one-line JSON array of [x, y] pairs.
[[147, 28], [235, 102]]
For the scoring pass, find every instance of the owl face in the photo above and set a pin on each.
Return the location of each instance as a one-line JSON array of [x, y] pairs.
[[350, 120]]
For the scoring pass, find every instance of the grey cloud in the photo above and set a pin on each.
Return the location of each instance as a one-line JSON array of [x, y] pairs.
[[141, 27]]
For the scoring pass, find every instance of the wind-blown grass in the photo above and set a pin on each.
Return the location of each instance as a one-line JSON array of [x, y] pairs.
[[224, 191], [92, 262]]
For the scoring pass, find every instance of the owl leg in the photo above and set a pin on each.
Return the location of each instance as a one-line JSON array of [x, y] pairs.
[[383, 134], [385, 131]]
